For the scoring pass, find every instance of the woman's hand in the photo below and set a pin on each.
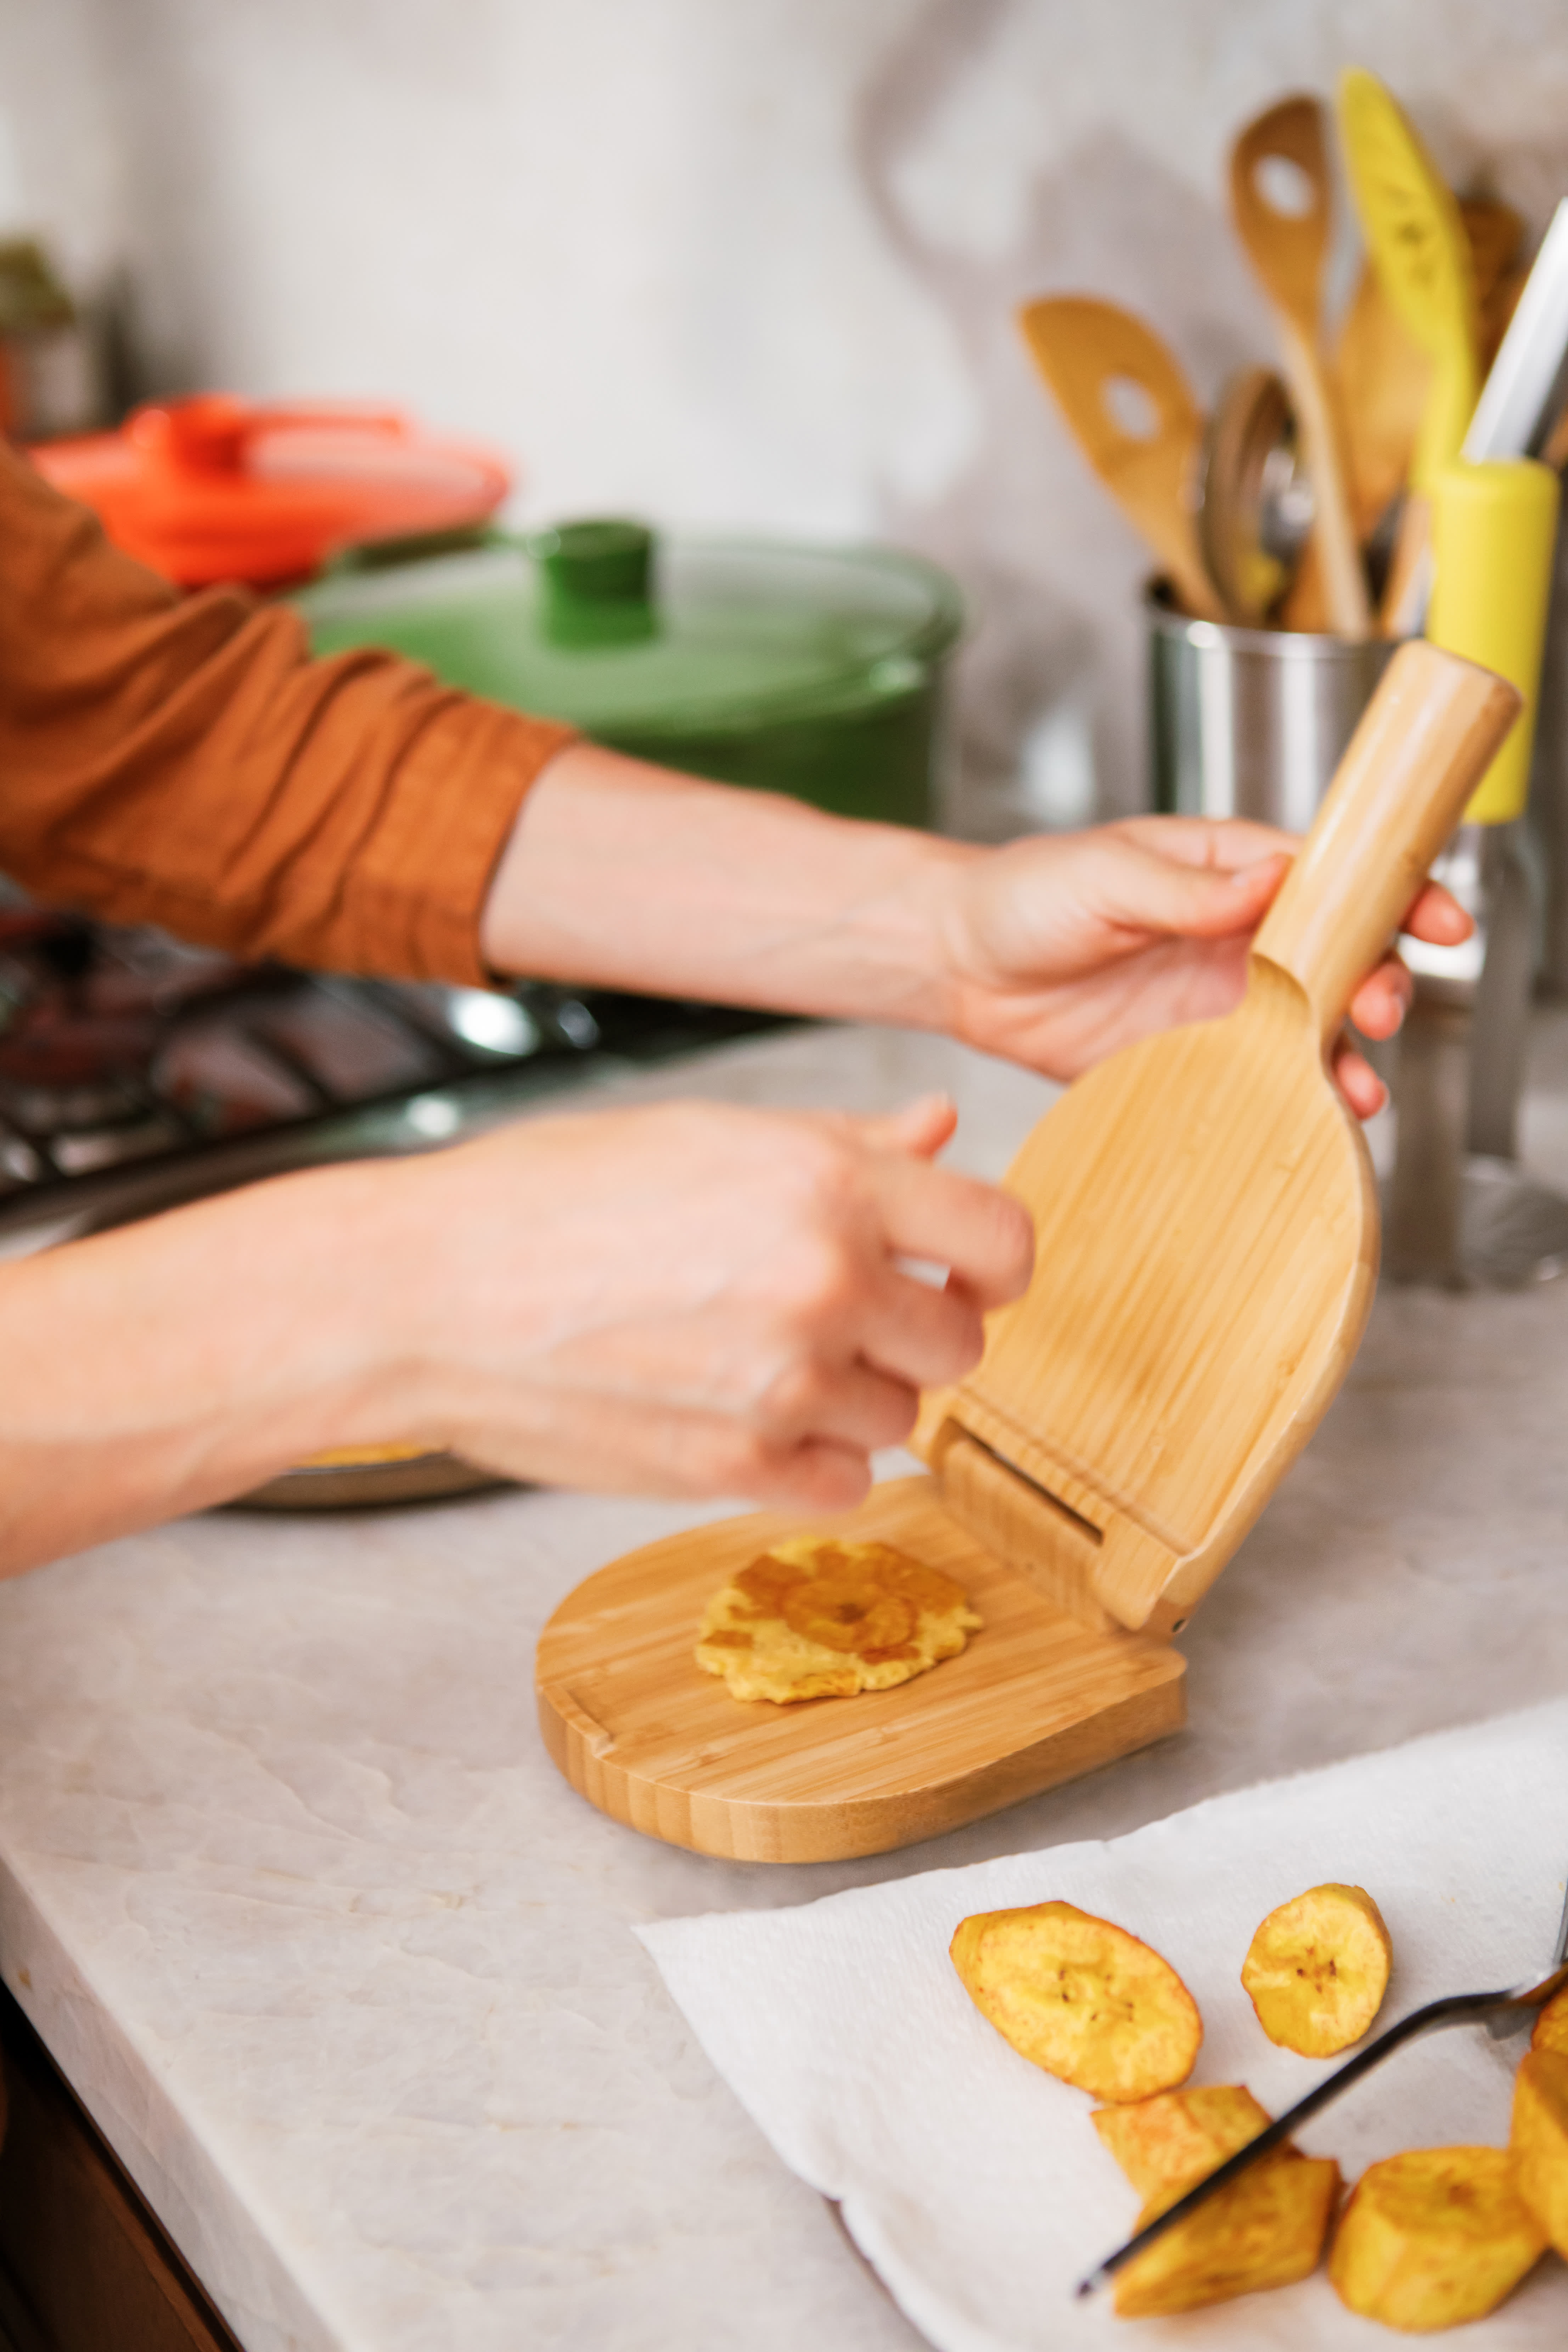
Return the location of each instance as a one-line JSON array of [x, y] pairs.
[[1053, 951], [1059, 950], [697, 1299], [690, 1300]]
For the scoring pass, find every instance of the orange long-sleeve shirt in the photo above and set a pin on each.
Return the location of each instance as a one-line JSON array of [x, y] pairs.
[[182, 760]]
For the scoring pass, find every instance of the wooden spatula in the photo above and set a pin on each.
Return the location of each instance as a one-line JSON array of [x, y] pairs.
[[1207, 1218], [1100, 362], [1289, 251]]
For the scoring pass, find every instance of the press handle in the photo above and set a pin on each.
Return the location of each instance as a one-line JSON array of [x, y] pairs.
[[1424, 740]]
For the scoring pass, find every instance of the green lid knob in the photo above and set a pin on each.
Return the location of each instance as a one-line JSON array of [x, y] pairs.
[[597, 581]]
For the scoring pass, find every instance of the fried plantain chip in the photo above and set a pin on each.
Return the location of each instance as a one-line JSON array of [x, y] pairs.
[[848, 1612], [818, 1618], [1081, 1998], [1266, 2230], [1317, 1969], [912, 1580], [767, 1581], [1539, 2140], [1433, 2238], [1179, 2135], [1551, 2025]]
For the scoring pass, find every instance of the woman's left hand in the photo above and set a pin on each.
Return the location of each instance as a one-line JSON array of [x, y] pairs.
[[1059, 950]]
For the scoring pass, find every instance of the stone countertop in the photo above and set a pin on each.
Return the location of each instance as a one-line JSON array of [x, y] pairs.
[[343, 1970]]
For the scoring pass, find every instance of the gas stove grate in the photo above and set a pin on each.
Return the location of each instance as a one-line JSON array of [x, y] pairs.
[[123, 1051]]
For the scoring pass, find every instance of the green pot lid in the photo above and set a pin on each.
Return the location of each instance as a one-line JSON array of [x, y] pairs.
[[602, 624]]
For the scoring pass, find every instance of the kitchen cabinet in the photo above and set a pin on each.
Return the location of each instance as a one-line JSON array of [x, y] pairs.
[[84, 2266]]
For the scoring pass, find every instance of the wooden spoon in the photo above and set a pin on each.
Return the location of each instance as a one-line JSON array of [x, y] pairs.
[[1101, 363], [1495, 232], [1288, 249]]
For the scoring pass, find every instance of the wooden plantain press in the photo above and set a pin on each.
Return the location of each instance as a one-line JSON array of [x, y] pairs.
[[1207, 1250]]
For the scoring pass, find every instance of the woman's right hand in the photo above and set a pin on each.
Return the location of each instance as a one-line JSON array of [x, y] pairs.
[[690, 1299]]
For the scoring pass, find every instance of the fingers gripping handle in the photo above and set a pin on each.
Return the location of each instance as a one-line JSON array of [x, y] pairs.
[[1423, 743]]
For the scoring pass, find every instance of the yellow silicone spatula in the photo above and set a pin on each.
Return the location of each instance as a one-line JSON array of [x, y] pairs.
[[1419, 247], [1384, 375], [1132, 412]]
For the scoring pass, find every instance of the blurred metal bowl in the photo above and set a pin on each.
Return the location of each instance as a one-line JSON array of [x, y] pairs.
[[348, 1484]]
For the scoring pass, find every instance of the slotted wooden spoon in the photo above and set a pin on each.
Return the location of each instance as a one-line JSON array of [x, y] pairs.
[[1287, 250], [1100, 362]]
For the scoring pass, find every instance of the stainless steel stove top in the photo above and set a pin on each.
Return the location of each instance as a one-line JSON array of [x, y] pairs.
[[135, 1072]]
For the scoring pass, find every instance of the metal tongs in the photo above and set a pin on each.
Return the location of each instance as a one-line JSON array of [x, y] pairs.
[[1502, 2013]]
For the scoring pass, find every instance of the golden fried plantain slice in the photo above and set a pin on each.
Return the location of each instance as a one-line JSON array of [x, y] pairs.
[[1317, 1969], [767, 1579], [1081, 1998], [1266, 2230], [1551, 2025], [1179, 2135], [1539, 2140], [848, 1612], [1433, 2238], [912, 1580], [818, 1618]]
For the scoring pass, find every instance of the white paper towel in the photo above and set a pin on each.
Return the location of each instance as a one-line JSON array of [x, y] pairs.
[[976, 2185]]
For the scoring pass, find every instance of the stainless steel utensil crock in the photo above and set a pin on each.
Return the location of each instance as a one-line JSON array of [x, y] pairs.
[[1250, 722]]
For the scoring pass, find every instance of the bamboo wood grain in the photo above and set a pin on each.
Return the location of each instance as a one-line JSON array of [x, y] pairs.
[[1083, 349], [1288, 252], [637, 1727], [1207, 1223]]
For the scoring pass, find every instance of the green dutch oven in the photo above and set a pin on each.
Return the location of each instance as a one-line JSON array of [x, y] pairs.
[[815, 671]]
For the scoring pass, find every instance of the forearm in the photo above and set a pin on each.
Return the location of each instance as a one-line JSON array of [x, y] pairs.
[[184, 762], [176, 1363], [678, 1298], [624, 876]]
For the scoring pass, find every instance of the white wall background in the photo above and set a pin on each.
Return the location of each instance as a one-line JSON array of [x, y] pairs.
[[739, 262]]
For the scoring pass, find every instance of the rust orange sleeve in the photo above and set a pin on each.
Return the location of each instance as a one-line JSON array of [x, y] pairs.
[[182, 760]]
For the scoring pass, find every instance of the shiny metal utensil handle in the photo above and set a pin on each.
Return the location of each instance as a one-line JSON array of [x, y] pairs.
[[1501, 2013], [1516, 397]]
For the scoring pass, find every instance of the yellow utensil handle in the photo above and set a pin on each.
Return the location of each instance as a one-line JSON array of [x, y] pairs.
[[1423, 741], [1494, 536]]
